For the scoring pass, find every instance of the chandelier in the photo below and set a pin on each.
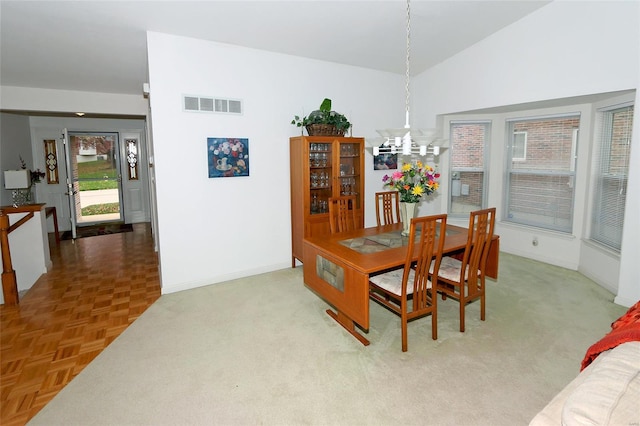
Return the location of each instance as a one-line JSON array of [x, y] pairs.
[[407, 141]]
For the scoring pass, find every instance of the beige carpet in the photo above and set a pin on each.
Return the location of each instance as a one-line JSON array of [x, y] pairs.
[[262, 351]]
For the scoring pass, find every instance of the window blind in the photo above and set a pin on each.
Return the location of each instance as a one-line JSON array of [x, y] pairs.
[[611, 174], [541, 173]]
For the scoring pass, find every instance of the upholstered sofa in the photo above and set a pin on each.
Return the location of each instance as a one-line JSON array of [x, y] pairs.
[[607, 390]]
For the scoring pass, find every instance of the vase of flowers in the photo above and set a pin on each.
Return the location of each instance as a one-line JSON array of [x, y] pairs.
[[413, 181]]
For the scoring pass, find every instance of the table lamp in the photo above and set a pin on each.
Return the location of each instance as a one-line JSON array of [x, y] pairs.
[[19, 181]]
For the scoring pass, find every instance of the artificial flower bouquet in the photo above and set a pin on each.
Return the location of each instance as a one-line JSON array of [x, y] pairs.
[[413, 181]]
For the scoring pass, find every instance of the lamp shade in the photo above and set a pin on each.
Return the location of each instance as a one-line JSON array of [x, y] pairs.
[[17, 179]]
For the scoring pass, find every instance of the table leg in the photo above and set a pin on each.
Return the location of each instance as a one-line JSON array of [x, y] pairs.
[[348, 325], [491, 269], [51, 211]]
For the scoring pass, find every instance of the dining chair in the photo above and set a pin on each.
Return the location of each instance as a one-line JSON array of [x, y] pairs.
[[464, 279], [342, 214], [387, 207], [409, 291]]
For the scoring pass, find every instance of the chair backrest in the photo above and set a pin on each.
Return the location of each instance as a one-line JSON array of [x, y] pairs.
[[481, 223], [342, 214], [387, 207], [430, 230]]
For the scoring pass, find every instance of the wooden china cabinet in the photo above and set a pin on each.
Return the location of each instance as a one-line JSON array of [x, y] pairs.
[[322, 167]]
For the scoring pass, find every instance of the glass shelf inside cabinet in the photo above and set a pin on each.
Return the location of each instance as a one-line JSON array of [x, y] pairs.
[[319, 205], [319, 159], [349, 150], [348, 186], [320, 178], [347, 170]]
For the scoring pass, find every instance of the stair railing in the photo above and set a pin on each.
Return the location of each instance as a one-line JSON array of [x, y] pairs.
[[9, 283]]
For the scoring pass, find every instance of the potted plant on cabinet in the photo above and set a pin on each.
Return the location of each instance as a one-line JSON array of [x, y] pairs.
[[323, 121]]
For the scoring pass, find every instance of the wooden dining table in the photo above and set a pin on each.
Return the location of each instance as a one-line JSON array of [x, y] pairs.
[[337, 267]]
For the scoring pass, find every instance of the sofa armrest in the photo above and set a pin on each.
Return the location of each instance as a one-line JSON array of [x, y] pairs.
[[606, 392]]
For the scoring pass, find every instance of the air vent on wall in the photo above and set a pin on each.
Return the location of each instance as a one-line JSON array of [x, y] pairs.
[[206, 104], [209, 104]]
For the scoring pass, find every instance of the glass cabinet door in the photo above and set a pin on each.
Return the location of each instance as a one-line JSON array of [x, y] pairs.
[[349, 171], [320, 176]]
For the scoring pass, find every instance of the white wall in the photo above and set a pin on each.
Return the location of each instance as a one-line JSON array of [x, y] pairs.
[[36, 99], [212, 230], [14, 143], [563, 50]]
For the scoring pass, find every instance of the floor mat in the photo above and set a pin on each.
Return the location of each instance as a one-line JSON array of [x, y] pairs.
[[101, 229]]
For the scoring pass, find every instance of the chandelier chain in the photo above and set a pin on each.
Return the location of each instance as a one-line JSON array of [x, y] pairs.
[[407, 141], [408, 59]]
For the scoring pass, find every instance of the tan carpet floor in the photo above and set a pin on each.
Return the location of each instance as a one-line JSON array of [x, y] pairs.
[[261, 350]]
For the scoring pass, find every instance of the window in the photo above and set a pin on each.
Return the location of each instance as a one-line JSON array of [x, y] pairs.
[[540, 184], [611, 173], [519, 146], [469, 141]]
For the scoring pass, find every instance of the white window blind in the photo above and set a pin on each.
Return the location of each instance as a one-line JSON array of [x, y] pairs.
[[611, 173], [540, 184], [469, 163]]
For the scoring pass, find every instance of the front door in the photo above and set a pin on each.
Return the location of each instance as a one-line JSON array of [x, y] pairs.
[[94, 178]]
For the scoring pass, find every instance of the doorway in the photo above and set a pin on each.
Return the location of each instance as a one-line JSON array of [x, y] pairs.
[[95, 194]]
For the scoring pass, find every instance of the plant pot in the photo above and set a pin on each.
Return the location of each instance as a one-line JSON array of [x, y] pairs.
[[323, 130]]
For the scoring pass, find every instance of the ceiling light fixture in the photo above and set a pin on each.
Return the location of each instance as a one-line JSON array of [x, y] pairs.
[[80, 114], [405, 140]]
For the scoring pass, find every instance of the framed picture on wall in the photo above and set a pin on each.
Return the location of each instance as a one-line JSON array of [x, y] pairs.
[[385, 161], [228, 157]]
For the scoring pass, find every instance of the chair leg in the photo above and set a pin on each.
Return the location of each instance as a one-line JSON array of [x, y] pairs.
[[434, 325], [482, 300], [403, 323], [404, 334], [462, 309]]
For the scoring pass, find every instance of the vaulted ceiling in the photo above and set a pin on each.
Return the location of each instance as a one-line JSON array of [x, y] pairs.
[[100, 46]]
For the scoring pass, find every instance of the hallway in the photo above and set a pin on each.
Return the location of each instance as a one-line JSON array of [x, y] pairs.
[[97, 287]]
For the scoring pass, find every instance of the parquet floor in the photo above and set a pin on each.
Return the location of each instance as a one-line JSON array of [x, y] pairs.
[[96, 288]]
